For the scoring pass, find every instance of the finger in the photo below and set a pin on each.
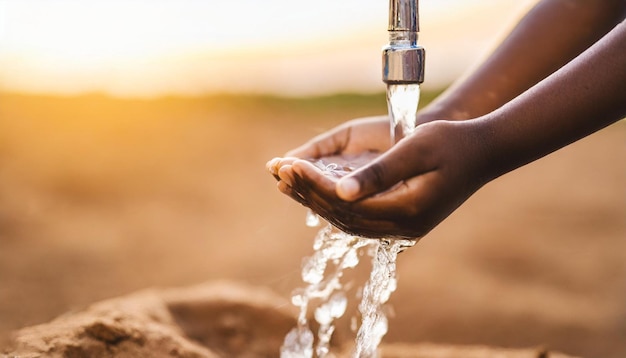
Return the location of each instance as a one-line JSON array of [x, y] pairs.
[[352, 218], [401, 162], [373, 229], [274, 165], [407, 211], [319, 191], [314, 178], [316, 186], [287, 190], [325, 144], [408, 199], [285, 174], [371, 133], [271, 166]]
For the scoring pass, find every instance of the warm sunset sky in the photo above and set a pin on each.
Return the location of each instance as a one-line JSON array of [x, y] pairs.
[[289, 47]]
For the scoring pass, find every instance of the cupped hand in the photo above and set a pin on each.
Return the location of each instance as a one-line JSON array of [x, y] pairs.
[[350, 145], [403, 193]]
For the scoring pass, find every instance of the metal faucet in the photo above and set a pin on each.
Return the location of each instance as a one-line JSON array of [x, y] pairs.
[[403, 58]]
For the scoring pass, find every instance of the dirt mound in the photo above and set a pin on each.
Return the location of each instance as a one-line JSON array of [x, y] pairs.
[[426, 350], [211, 320]]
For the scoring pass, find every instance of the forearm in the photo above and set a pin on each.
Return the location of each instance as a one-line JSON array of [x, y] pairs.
[[587, 94], [548, 37]]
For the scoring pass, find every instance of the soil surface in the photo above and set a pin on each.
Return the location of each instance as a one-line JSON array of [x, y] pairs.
[[101, 197], [206, 321]]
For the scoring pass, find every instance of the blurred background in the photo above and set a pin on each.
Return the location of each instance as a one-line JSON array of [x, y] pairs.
[[133, 138], [153, 48]]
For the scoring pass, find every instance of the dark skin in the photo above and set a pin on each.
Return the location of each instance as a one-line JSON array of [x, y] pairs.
[[558, 77]]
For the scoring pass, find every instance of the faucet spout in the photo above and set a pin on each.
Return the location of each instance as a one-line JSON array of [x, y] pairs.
[[403, 59], [404, 15]]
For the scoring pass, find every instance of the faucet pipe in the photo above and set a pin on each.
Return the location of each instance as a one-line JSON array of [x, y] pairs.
[[403, 15], [403, 58]]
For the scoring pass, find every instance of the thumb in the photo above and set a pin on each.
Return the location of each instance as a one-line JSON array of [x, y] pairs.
[[401, 162], [325, 144]]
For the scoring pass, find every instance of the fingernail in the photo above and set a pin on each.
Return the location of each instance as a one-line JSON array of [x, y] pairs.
[[348, 188], [271, 165]]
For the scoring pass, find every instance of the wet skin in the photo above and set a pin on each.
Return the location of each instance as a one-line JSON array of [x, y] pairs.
[[558, 77]]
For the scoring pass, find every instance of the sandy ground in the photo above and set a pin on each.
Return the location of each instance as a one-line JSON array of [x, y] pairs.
[[218, 319], [102, 197]]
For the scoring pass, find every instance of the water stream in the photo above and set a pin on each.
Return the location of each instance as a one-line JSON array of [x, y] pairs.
[[402, 101], [336, 251]]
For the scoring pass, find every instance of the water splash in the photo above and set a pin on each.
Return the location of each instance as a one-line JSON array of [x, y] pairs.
[[312, 219], [336, 251], [378, 289], [325, 315], [298, 343]]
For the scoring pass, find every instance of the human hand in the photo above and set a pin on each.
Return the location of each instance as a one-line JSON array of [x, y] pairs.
[[403, 193], [349, 146]]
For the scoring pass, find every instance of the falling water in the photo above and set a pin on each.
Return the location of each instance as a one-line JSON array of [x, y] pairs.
[[336, 251], [378, 289], [402, 101]]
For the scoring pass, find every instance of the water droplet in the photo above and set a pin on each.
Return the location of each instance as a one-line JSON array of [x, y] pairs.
[[351, 259], [354, 324], [298, 344], [313, 270], [297, 298], [312, 219], [322, 315], [338, 303]]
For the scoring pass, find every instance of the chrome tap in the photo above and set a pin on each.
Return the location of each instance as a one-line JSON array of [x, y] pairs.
[[403, 58], [403, 68]]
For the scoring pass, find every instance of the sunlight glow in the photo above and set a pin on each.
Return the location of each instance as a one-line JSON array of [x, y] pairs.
[[143, 47]]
